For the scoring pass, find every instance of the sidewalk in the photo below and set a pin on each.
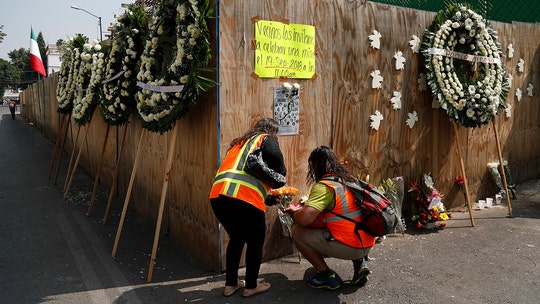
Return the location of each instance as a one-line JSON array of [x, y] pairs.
[[51, 252]]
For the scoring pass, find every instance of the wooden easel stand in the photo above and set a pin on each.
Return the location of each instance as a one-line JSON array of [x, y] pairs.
[[100, 166], [62, 148], [75, 143], [172, 145], [503, 173], [115, 178], [128, 194], [465, 180], [56, 144], [70, 180]]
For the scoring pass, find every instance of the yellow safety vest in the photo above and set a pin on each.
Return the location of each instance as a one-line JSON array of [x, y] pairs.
[[231, 179]]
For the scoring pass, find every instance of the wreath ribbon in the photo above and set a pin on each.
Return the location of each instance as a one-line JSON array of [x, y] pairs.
[[114, 77], [161, 89], [463, 56]]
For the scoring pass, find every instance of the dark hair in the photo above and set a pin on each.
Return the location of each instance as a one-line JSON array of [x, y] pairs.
[[263, 126], [322, 161]]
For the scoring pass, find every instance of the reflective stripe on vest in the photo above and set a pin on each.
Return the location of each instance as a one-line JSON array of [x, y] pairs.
[[231, 179]]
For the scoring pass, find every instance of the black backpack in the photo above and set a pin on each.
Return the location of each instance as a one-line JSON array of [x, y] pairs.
[[378, 216]]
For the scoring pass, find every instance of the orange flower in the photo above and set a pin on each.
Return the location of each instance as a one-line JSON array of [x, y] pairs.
[[414, 185], [284, 191]]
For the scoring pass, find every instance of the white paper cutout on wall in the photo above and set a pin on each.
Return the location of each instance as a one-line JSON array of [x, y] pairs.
[[508, 110], [521, 65], [518, 94], [377, 79], [396, 100], [530, 89], [412, 119], [510, 80], [510, 49], [422, 82], [376, 120], [375, 39], [415, 44], [400, 60]]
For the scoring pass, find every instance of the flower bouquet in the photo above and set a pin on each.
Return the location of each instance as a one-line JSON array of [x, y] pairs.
[[428, 209], [284, 196]]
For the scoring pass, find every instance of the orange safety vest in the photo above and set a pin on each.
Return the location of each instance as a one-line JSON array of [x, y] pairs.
[[340, 228], [231, 179]]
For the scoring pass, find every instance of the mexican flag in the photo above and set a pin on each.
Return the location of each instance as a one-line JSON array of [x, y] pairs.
[[35, 58]]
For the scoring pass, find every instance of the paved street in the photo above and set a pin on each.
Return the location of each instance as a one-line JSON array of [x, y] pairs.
[[51, 252]]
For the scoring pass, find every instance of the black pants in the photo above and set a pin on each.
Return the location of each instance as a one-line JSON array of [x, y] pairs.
[[245, 224], [12, 109]]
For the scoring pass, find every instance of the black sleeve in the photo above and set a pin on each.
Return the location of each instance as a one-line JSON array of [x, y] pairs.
[[272, 155]]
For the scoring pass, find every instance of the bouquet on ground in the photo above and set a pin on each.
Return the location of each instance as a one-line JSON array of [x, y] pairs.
[[427, 206], [284, 196]]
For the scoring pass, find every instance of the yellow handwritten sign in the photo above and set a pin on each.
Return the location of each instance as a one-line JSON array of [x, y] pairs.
[[284, 50]]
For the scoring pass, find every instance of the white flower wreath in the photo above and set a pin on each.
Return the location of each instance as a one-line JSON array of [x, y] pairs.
[[120, 84], [176, 51], [465, 71], [65, 90], [88, 82]]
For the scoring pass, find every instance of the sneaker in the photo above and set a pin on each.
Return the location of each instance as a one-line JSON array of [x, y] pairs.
[[333, 282], [360, 277]]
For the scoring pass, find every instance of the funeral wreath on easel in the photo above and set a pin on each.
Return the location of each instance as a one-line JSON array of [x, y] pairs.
[[464, 66], [175, 55]]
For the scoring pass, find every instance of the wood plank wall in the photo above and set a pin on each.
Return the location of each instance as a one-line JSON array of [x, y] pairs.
[[334, 111]]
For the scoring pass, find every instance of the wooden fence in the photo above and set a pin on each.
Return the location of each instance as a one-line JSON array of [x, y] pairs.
[[335, 110]]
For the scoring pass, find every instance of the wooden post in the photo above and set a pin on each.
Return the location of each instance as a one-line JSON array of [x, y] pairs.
[[172, 145], [115, 178], [56, 144], [100, 165], [66, 191], [75, 143], [502, 168], [465, 180], [62, 148], [128, 194]]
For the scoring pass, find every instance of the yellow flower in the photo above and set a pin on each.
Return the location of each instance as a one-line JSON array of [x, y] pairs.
[[443, 216]]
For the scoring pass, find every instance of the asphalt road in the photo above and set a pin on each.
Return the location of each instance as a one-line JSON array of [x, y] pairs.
[[51, 252]]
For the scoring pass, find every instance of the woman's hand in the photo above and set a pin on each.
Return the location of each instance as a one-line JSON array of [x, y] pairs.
[[292, 209]]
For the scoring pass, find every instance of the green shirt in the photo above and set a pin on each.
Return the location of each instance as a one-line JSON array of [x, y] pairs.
[[321, 197]]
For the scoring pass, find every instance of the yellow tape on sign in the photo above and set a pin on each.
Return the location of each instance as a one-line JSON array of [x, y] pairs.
[[284, 50]]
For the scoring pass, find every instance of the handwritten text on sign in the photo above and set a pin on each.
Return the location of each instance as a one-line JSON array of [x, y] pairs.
[[284, 50]]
